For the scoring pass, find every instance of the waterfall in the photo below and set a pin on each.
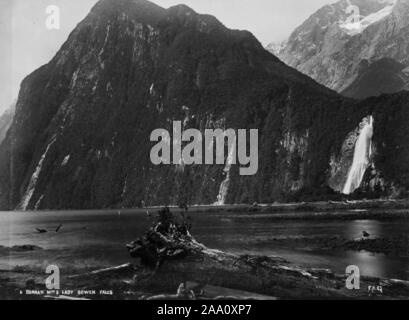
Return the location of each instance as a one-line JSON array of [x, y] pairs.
[[362, 154], [25, 201], [224, 186]]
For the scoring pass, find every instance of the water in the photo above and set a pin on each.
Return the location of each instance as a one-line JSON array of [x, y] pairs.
[[96, 239], [362, 154]]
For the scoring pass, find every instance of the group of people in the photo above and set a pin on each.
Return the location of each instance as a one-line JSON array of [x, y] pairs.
[[167, 224]]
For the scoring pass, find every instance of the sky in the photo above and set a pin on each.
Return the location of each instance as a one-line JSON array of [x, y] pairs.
[[26, 42]]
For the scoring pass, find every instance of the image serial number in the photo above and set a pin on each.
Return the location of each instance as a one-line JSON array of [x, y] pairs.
[[226, 309]]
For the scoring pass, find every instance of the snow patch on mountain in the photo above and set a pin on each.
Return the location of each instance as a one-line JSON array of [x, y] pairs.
[[276, 47], [352, 27], [65, 161]]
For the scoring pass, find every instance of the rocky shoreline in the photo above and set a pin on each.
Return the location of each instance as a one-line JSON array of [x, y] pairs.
[[323, 210]]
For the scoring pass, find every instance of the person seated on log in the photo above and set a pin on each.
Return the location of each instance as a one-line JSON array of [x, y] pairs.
[[165, 222], [164, 233], [184, 293], [184, 227]]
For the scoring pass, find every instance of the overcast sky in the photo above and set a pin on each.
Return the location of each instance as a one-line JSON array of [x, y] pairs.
[[26, 43]]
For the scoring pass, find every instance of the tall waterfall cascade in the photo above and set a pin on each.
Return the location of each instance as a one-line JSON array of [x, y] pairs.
[[362, 156], [224, 186]]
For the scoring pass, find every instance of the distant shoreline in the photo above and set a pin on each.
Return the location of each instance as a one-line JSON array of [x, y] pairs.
[[350, 210]]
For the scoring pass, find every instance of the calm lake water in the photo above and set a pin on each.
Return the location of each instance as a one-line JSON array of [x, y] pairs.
[[96, 239]]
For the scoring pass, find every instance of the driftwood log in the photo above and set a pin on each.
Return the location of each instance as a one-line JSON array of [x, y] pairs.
[[169, 247], [170, 239]]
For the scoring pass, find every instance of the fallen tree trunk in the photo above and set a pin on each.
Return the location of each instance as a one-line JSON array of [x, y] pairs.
[[167, 240], [170, 240], [176, 257]]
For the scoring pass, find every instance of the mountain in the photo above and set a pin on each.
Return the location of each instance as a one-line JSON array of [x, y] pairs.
[[382, 76], [333, 43], [276, 47], [80, 137], [5, 121]]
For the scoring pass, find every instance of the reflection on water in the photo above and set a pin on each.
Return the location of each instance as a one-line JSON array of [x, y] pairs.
[[94, 239], [257, 237]]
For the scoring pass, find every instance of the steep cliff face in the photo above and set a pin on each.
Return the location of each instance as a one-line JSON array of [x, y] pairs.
[[5, 121], [333, 43], [81, 133]]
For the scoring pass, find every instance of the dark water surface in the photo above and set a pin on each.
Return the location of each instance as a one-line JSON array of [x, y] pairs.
[[96, 239]]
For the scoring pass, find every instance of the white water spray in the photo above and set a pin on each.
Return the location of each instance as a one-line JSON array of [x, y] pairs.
[[25, 201], [224, 186], [362, 155]]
